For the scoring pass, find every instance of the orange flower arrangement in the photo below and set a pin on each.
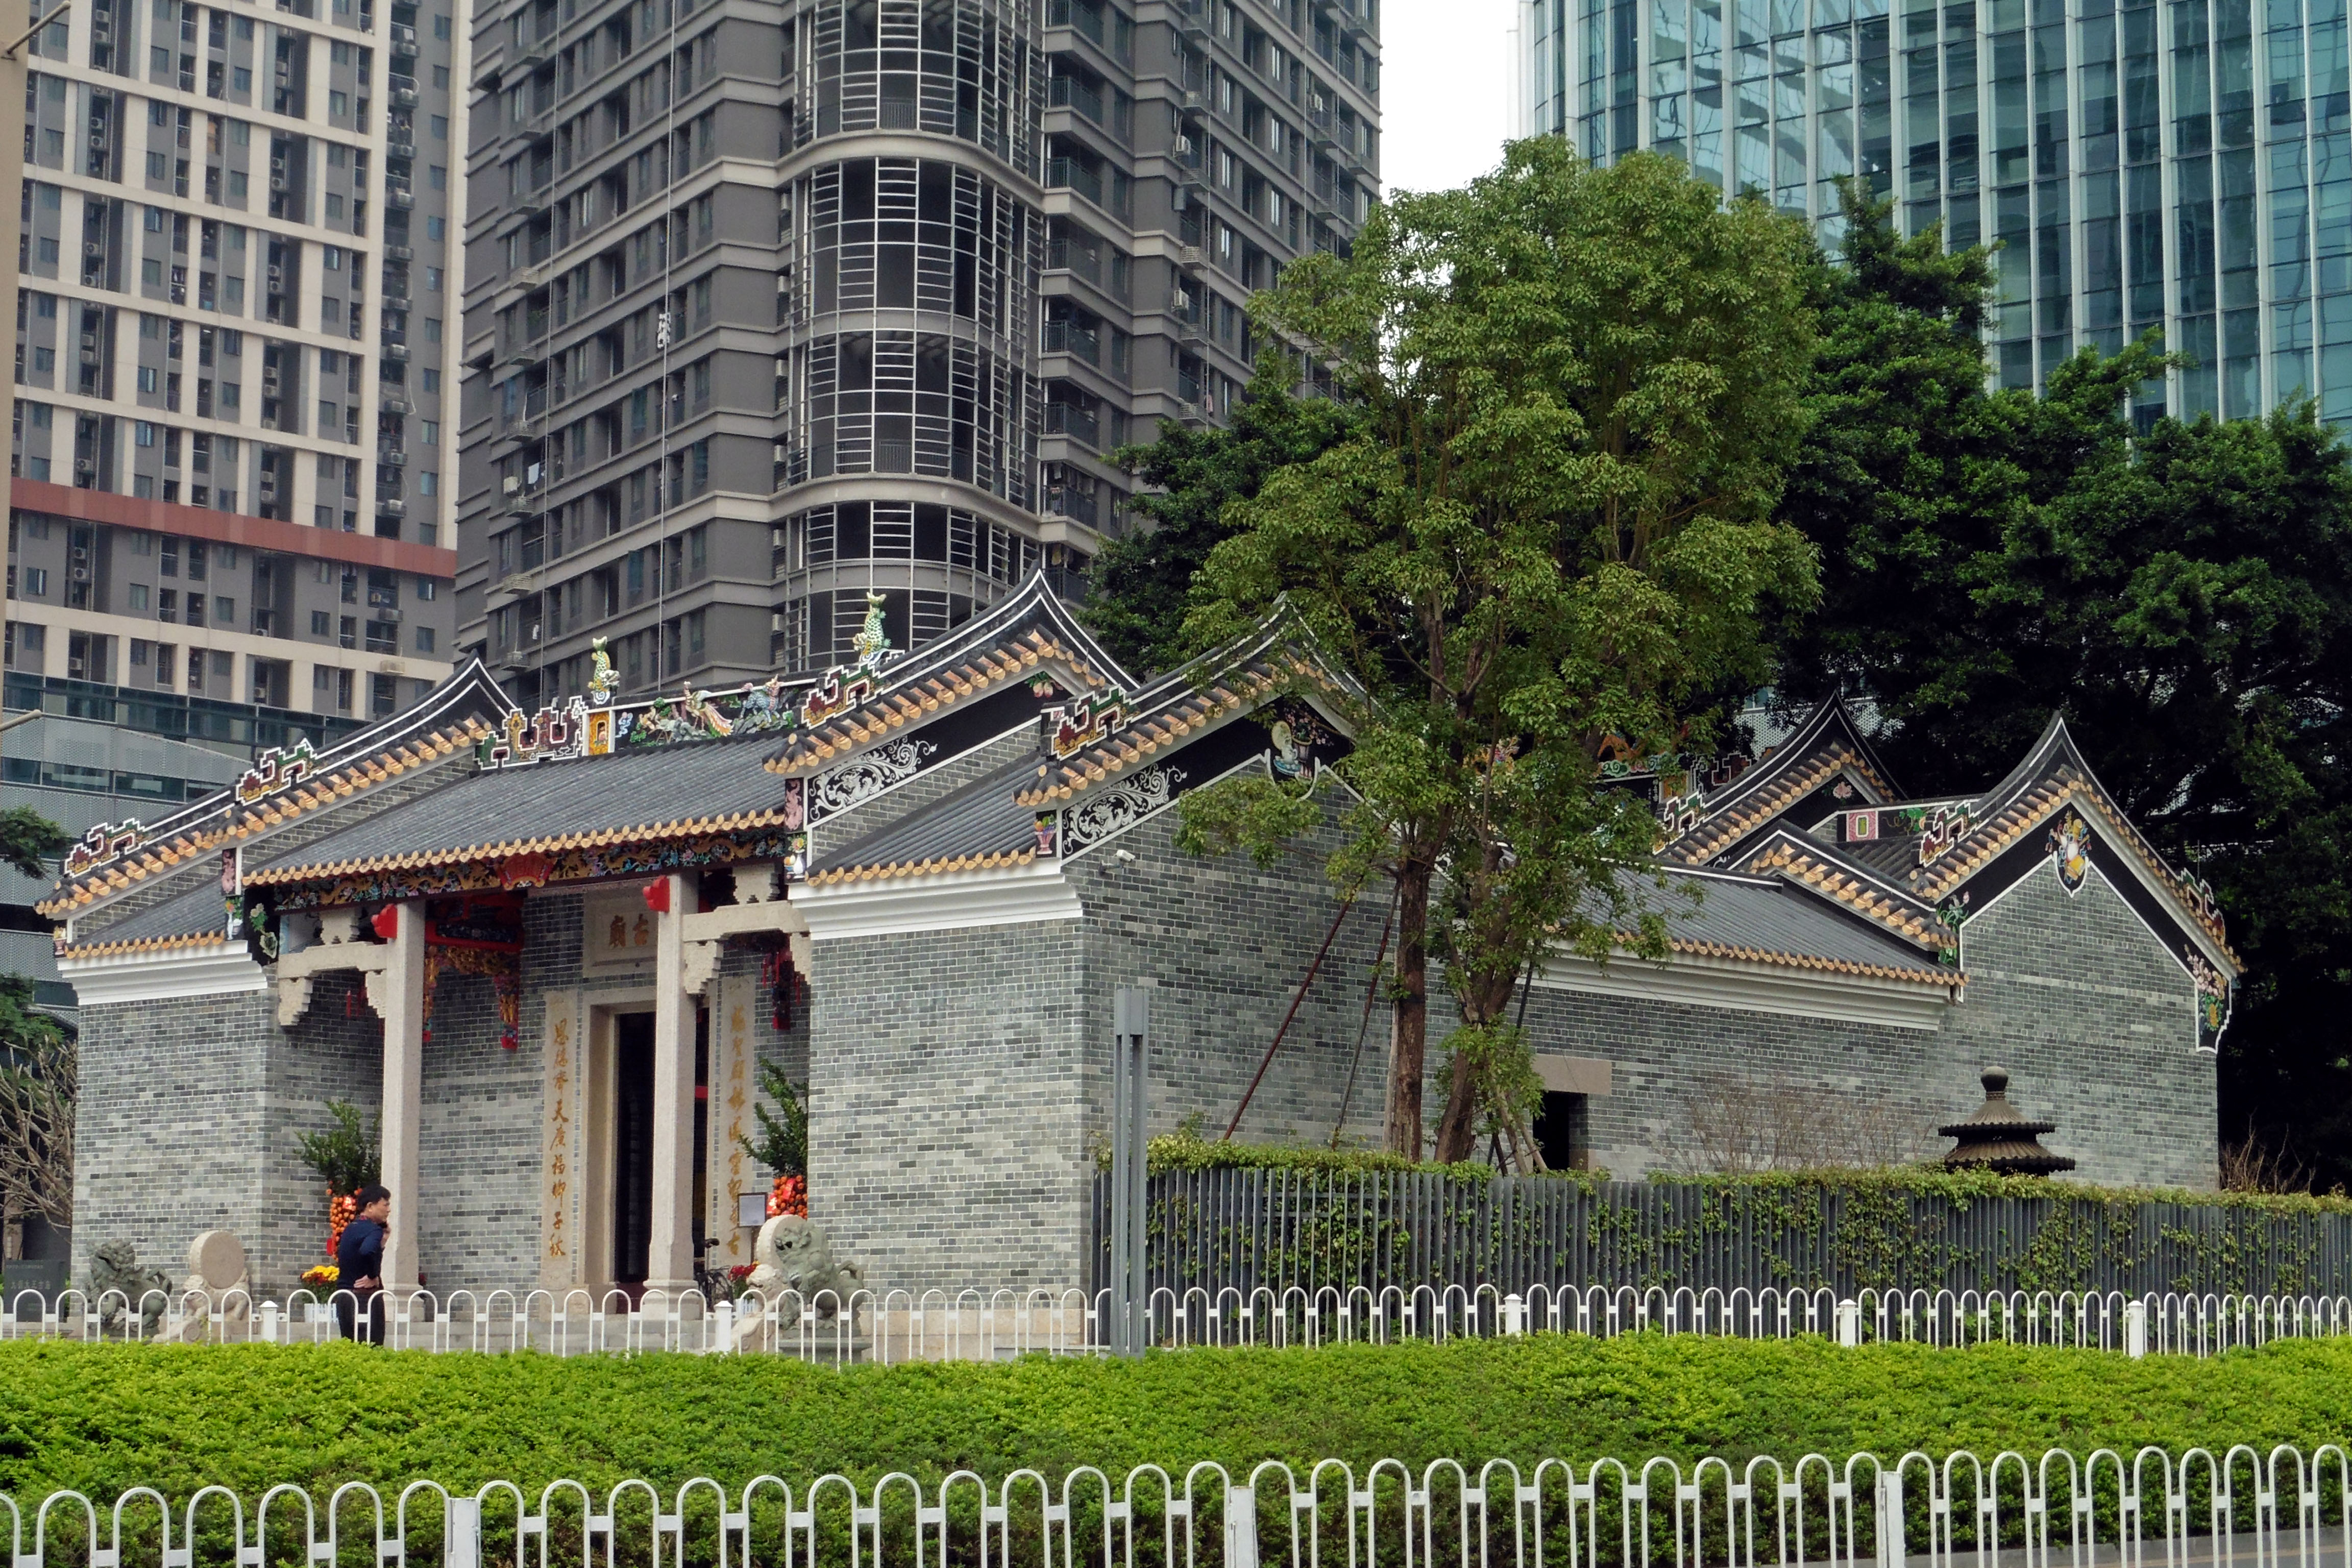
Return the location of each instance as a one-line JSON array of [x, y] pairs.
[[789, 1195], [341, 1209]]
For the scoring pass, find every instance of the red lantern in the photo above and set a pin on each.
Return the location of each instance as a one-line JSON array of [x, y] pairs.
[[657, 896], [387, 922]]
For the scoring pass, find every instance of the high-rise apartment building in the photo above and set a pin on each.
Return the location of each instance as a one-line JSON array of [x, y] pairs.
[[2181, 165], [236, 331], [774, 306]]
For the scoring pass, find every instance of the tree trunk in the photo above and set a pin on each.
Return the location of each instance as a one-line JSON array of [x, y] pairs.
[[1408, 1052], [1457, 1129]]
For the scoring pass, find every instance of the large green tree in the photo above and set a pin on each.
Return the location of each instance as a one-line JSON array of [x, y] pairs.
[[2184, 598], [1142, 582], [1549, 532]]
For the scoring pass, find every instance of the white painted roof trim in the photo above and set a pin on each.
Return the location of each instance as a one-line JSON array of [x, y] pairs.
[[952, 901], [222, 968], [1746, 986]]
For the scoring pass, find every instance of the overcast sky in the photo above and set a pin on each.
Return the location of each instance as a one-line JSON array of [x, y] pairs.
[[1445, 89]]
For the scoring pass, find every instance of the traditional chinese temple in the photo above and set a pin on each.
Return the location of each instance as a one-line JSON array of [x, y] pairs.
[[551, 951]]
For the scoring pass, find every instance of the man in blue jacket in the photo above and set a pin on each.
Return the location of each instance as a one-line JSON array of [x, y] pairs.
[[359, 1266]]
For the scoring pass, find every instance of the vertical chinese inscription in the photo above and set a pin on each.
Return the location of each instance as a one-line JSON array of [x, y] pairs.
[[560, 1242]]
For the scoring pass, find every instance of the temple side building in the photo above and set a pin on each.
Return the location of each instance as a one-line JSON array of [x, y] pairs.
[[552, 949]]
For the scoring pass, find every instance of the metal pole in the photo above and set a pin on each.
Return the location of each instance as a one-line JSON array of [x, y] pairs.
[[1121, 1156], [1131, 1171]]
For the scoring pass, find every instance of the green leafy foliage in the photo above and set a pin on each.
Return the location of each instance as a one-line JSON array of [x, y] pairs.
[[1547, 534], [105, 1418], [30, 842], [1186, 1149], [783, 1142], [349, 1154], [1140, 582], [1992, 558]]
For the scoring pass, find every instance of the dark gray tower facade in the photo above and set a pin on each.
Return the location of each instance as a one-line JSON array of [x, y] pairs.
[[773, 307]]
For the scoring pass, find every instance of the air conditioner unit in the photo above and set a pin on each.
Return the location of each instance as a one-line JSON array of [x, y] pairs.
[[85, 466], [97, 141], [94, 250], [80, 574], [278, 183], [511, 486]]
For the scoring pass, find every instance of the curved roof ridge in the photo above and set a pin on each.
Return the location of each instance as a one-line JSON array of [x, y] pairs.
[[297, 780]]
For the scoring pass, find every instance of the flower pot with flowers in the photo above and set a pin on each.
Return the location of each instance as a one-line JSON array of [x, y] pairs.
[[782, 1143], [347, 1157]]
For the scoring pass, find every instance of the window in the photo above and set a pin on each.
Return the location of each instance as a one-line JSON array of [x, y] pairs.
[[143, 433], [223, 610], [147, 383], [36, 582], [440, 128], [331, 257], [432, 280], [320, 624], [427, 588], [425, 639], [428, 483], [140, 650], [437, 177], [138, 593], [441, 27]]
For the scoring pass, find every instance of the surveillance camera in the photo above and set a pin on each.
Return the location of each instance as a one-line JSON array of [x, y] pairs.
[[1125, 858]]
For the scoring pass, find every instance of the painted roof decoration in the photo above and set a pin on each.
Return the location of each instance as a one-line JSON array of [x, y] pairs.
[[1807, 857], [1029, 634], [282, 785]]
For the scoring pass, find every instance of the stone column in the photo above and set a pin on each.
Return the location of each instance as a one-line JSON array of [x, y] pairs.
[[398, 994], [669, 1262]]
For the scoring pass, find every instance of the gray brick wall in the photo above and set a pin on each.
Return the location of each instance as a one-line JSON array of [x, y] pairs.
[[949, 1105]]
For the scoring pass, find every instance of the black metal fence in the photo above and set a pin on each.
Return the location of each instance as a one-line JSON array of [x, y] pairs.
[[1252, 1228]]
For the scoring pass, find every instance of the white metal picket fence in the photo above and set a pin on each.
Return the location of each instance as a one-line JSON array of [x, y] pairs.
[[2268, 1508], [893, 1325]]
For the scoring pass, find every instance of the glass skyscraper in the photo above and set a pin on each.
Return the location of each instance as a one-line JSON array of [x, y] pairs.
[[2182, 164]]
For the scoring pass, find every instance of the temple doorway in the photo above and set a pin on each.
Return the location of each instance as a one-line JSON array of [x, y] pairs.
[[633, 1147], [622, 1124]]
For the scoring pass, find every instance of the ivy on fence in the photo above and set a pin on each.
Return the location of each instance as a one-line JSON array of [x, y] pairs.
[[1225, 1215]]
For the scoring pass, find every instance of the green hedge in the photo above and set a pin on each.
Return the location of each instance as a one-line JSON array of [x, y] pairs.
[[1186, 1149], [103, 1419]]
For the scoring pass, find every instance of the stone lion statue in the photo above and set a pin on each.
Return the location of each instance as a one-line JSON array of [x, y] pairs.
[[115, 1273], [794, 1256]]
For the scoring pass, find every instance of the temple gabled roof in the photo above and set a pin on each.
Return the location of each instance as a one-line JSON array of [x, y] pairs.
[[2053, 776], [1833, 874], [1175, 709], [283, 786], [1827, 750], [1011, 640], [1768, 920], [638, 798], [1789, 874]]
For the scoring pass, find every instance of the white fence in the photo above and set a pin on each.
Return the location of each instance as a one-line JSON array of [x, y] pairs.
[[2267, 1508], [890, 1325]]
